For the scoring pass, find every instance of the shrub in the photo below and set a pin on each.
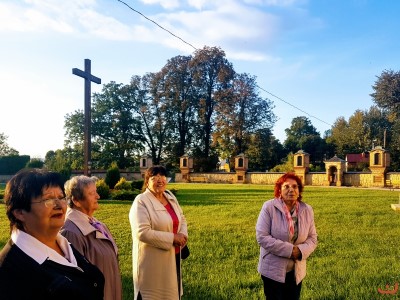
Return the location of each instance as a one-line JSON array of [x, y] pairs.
[[103, 189], [112, 176], [65, 173], [124, 194], [9, 165], [122, 184], [137, 184], [35, 163]]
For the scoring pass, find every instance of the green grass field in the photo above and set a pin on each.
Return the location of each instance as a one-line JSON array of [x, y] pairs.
[[358, 250]]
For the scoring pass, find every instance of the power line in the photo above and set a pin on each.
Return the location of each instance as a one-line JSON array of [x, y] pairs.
[[131, 8], [154, 22], [294, 106]]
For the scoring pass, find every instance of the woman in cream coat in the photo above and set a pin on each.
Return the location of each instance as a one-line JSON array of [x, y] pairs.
[[159, 231]]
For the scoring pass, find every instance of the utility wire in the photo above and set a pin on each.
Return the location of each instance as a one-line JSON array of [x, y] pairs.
[[131, 8], [294, 106], [156, 24]]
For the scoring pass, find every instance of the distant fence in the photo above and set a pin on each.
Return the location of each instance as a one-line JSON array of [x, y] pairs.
[[98, 173], [357, 179]]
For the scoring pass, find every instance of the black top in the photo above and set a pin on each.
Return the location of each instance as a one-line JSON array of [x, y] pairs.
[[22, 278]]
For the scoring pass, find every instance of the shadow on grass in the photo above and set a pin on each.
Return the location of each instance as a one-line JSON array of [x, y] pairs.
[[127, 286], [206, 197]]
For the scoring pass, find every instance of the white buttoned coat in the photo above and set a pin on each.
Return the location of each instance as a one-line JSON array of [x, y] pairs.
[[153, 253]]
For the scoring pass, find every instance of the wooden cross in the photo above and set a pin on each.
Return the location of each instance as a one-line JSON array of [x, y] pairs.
[[87, 142]]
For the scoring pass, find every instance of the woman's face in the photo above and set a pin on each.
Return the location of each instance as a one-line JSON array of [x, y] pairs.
[[89, 204], [290, 191], [157, 183], [41, 221]]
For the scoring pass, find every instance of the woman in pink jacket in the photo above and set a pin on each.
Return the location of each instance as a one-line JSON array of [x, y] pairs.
[[287, 236]]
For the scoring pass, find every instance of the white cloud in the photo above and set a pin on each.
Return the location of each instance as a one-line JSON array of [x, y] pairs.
[[16, 18], [200, 4], [251, 56], [104, 27], [167, 4], [276, 2], [235, 26]]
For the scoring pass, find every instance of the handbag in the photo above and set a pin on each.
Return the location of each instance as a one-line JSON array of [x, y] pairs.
[[185, 252]]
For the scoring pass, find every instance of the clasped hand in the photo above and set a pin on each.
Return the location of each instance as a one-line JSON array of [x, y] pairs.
[[296, 253], [180, 240]]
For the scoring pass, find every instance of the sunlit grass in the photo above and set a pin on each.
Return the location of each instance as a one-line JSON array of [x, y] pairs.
[[357, 253]]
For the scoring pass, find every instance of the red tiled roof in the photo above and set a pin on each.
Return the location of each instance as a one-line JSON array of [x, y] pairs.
[[358, 157]]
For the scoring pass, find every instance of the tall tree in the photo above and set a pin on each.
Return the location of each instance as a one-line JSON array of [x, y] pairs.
[[116, 134], [5, 149], [338, 136], [359, 136], [303, 135], [147, 94], [240, 113], [354, 135], [387, 97], [212, 73], [264, 151], [179, 97], [387, 92], [378, 125], [115, 129]]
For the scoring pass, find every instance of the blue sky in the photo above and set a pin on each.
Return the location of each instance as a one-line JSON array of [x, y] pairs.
[[320, 56]]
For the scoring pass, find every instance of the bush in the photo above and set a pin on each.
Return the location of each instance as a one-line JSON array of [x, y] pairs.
[[124, 194], [103, 189], [35, 163], [9, 165], [65, 173], [122, 184], [137, 184], [112, 176]]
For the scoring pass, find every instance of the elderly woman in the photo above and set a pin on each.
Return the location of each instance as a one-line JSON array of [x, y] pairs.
[[88, 235], [38, 262], [159, 230], [287, 236]]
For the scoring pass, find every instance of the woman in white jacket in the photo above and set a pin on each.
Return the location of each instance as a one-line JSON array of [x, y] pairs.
[[159, 230], [287, 236]]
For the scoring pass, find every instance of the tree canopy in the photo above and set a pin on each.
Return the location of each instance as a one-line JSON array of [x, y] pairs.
[[199, 105]]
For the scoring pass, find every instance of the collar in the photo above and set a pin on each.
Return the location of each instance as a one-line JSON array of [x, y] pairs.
[[278, 205], [157, 204], [81, 220], [40, 252]]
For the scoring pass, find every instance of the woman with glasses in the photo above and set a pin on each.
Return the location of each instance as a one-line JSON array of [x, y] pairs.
[[287, 236], [159, 230], [38, 262], [88, 235]]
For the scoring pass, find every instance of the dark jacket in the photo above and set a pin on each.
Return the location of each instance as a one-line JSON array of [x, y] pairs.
[[22, 278]]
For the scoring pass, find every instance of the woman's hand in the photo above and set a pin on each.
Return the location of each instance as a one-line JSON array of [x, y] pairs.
[[296, 253], [179, 240]]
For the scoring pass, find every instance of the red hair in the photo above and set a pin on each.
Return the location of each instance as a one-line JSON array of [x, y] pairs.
[[282, 179]]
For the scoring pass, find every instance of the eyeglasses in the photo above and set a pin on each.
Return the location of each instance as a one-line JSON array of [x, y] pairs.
[[288, 186], [49, 203]]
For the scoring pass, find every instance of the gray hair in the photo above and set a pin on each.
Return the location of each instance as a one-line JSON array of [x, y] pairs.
[[75, 186]]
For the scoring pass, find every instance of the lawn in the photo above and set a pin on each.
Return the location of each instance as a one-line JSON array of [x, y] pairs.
[[357, 253]]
